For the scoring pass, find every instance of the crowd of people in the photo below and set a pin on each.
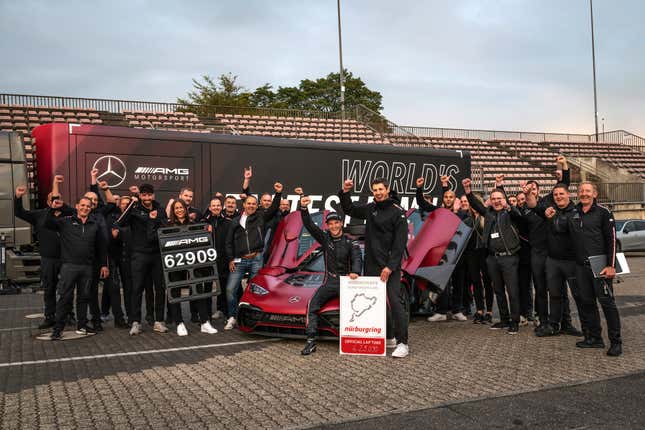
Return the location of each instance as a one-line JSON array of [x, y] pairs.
[[526, 252]]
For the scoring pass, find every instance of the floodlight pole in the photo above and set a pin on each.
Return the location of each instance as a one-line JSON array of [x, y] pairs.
[[342, 75], [593, 60]]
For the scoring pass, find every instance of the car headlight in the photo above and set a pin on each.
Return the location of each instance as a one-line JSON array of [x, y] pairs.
[[259, 290]]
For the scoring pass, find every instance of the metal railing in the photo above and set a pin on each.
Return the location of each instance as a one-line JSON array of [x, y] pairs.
[[120, 106], [621, 193]]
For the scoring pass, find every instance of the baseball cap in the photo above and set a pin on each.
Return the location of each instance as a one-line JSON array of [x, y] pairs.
[[331, 216]]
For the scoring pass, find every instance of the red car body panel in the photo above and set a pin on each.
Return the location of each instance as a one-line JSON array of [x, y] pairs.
[[282, 309]]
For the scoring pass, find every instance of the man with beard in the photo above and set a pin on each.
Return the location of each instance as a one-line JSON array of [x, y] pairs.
[[219, 226]]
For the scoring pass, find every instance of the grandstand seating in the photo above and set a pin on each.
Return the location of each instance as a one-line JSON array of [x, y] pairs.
[[517, 159]]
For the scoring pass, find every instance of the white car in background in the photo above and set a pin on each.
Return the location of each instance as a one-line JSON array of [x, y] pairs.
[[630, 235]]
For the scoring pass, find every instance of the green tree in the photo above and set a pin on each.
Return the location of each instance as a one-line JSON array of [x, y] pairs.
[[322, 94]]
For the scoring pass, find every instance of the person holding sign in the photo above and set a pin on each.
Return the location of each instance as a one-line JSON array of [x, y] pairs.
[[593, 232], [386, 237], [342, 258]]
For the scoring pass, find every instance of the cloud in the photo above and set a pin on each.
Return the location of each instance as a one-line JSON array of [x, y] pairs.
[[495, 64]]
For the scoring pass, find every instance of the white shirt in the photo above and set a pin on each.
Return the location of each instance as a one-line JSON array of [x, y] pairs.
[[243, 218]]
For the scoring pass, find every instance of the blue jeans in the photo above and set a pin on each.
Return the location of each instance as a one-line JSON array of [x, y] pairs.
[[234, 283]]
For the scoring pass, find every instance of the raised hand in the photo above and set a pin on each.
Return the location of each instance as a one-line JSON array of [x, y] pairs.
[[133, 189], [248, 172], [444, 180], [59, 179], [94, 172], [153, 214], [57, 204], [499, 180], [103, 185], [304, 201], [277, 187], [420, 182], [466, 184], [298, 190], [348, 185], [21, 191], [549, 212]]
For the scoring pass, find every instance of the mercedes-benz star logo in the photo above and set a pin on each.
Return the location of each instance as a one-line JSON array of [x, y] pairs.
[[294, 299], [111, 170]]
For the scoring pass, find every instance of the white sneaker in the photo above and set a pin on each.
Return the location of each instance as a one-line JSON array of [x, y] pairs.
[[438, 317], [181, 330], [218, 315], [459, 317], [523, 321], [135, 329], [230, 323], [160, 327], [401, 351], [390, 343], [208, 328]]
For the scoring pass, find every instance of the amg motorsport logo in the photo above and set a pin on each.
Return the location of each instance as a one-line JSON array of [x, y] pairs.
[[183, 243], [161, 173]]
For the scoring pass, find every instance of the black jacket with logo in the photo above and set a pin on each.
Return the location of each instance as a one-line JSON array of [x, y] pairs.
[[342, 255], [559, 244], [502, 223], [81, 243], [138, 219], [593, 233], [241, 241], [386, 232], [220, 226], [48, 239]]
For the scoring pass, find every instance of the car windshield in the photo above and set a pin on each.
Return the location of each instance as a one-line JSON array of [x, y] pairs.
[[314, 263], [305, 240], [619, 225]]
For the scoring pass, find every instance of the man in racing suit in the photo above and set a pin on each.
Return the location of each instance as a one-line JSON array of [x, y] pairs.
[[342, 258]]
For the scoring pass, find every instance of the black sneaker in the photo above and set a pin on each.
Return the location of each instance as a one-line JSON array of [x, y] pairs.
[[546, 330], [310, 347], [121, 324], [47, 323], [96, 327], [85, 330], [591, 342], [570, 330], [513, 328], [56, 334], [488, 319], [500, 326], [615, 350]]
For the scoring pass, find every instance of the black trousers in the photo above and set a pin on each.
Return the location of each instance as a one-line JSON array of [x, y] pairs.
[[112, 289], [201, 305], [559, 275], [95, 310], [324, 293], [503, 271], [538, 270], [592, 289], [49, 269], [73, 277], [473, 266], [452, 298], [125, 282], [147, 273], [524, 282], [484, 290]]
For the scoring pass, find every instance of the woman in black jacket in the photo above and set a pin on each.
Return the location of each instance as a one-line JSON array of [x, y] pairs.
[[179, 216]]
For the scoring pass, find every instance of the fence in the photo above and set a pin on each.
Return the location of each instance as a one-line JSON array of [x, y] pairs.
[[120, 106]]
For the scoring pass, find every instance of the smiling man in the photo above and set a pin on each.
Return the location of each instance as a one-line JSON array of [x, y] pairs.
[[593, 232], [386, 236]]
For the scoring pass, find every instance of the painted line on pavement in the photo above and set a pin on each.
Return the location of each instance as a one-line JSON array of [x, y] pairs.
[[132, 353]]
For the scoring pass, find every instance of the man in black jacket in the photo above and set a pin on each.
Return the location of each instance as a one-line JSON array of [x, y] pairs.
[[503, 243], [82, 244], [560, 264], [593, 231], [146, 259], [342, 258], [219, 226], [49, 248], [244, 246], [386, 236]]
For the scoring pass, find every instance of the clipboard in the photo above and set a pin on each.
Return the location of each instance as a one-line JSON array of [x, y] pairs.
[[599, 262]]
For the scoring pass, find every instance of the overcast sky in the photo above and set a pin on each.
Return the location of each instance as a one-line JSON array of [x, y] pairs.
[[491, 64]]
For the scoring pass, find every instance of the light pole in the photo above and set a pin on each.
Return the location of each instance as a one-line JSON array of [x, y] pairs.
[[593, 60], [342, 75]]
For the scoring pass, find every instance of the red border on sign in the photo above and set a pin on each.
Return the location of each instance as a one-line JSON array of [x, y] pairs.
[[362, 345]]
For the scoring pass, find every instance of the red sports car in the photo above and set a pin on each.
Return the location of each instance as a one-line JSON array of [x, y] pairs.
[[275, 300]]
